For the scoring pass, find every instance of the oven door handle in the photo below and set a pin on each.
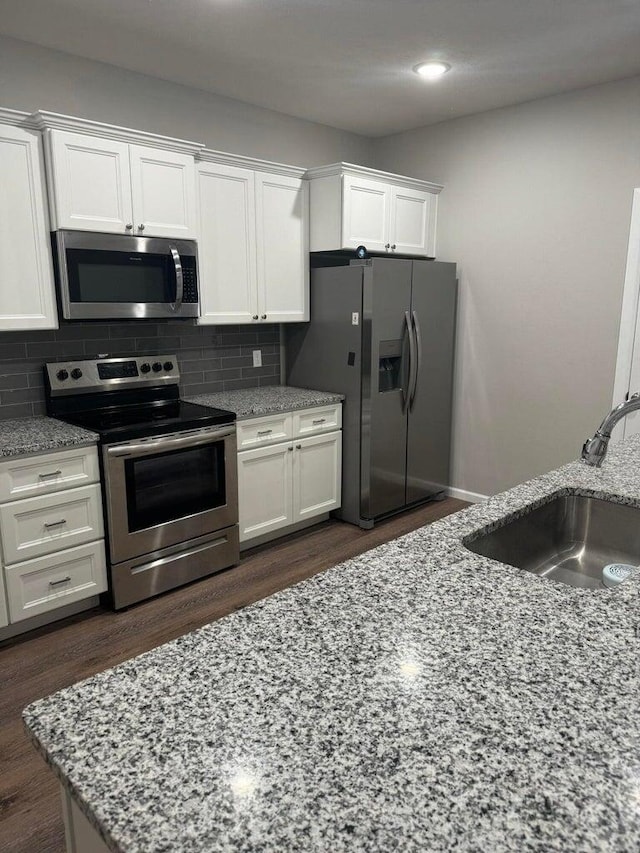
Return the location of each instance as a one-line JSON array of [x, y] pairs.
[[177, 262], [162, 444]]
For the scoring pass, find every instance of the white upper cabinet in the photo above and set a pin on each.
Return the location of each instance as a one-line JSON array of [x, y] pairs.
[[282, 204], [91, 183], [353, 206], [253, 241], [163, 189], [27, 296], [120, 181]]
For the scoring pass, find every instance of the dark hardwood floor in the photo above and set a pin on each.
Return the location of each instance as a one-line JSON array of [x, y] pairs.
[[54, 657]]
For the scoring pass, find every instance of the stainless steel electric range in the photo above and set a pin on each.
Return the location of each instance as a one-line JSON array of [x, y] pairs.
[[169, 475]]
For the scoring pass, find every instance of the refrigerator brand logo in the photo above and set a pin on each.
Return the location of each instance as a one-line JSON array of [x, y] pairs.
[[355, 318]]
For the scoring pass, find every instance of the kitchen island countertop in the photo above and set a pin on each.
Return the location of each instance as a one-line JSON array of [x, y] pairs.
[[40, 434], [265, 400], [415, 698]]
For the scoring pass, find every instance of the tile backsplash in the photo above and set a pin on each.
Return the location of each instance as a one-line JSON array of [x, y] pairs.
[[211, 358]]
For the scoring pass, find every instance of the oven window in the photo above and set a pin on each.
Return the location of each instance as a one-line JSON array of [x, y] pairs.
[[169, 486], [120, 277]]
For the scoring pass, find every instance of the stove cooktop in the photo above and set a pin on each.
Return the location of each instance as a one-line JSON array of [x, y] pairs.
[[122, 423]]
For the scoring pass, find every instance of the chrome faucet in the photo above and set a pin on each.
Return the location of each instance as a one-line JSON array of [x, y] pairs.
[[595, 449]]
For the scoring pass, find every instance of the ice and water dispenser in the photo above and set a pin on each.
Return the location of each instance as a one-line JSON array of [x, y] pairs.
[[390, 365]]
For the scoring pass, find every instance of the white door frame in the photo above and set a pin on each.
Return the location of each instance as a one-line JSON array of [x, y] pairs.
[[629, 319]]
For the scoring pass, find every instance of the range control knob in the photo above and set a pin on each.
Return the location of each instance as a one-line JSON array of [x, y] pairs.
[[76, 373], [62, 375], [168, 365], [145, 368], [157, 367]]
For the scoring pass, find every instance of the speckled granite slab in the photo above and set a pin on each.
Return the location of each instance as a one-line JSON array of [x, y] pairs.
[[252, 402], [417, 698], [33, 435]]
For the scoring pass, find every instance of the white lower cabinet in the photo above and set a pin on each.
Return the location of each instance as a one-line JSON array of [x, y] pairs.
[[265, 490], [53, 536], [283, 483], [317, 469], [36, 586]]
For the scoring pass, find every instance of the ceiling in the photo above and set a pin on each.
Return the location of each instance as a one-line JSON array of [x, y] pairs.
[[347, 63]]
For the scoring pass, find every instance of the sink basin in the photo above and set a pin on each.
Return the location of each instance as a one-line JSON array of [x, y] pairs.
[[568, 539]]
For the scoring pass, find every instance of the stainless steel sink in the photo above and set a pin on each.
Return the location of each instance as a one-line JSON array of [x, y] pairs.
[[569, 539]]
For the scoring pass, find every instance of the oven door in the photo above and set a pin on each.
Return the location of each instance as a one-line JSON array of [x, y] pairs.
[[108, 276], [167, 490]]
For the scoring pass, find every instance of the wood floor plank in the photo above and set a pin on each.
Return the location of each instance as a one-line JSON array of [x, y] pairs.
[[53, 657]]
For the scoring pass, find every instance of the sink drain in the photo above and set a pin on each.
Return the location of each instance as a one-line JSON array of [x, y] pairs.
[[616, 573]]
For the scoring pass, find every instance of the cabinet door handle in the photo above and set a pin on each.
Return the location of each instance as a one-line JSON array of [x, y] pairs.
[[387, 245], [62, 580], [48, 475], [264, 317], [265, 431], [319, 421], [394, 246], [129, 226], [55, 523], [290, 449], [141, 227], [255, 317], [298, 447]]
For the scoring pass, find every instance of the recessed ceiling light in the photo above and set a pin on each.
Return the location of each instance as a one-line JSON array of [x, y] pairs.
[[432, 70]]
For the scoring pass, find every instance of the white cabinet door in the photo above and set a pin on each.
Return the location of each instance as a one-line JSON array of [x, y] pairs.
[[265, 497], [282, 227], [317, 475], [412, 221], [27, 299], [163, 187], [227, 244], [366, 214], [4, 615], [91, 183]]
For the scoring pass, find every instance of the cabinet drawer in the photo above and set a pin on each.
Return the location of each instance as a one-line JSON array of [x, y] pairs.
[[259, 431], [48, 472], [49, 582], [49, 523], [313, 421]]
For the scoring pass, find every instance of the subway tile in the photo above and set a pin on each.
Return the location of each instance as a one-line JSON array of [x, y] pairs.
[[236, 384], [21, 395], [194, 378], [22, 366], [133, 330], [13, 381], [21, 410], [168, 345], [269, 380], [239, 338], [12, 350], [240, 361], [39, 407], [110, 346], [225, 352], [82, 331], [56, 349], [215, 375], [202, 388], [269, 370]]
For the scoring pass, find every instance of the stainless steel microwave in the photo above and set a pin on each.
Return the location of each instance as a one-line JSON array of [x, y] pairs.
[[116, 277]]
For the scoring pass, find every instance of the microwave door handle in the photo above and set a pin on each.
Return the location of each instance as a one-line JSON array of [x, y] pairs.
[[177, 305]]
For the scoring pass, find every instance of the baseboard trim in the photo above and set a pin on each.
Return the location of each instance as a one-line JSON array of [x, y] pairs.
[[463, 495]]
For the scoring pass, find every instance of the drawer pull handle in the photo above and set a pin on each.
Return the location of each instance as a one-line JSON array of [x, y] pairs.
[[319, 421], [62, 580], [55, 523], [50, 474], [298, 447], [265, 431]]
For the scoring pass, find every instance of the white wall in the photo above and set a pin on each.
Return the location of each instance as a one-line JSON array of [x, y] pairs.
[[34, 77], [536, 212]]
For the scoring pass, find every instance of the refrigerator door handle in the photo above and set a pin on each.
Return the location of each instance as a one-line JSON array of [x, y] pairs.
[[407, 395], [418, 337]]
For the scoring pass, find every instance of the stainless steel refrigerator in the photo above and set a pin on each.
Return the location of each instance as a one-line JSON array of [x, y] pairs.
[[382, 333]]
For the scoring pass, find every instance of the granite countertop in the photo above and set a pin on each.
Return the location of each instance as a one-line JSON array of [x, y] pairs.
[[253, 402], [416, 698], [33, 435]]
